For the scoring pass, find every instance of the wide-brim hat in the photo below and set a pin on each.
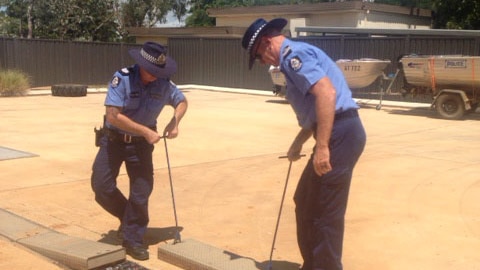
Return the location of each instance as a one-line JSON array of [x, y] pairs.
[[153, 58], [255, 32]]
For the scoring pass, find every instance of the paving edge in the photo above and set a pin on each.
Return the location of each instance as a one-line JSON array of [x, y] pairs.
[[73, 252], [192, 254]]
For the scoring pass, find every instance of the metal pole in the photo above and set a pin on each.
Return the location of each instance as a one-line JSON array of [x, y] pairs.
[[177, 233], [279, 214]]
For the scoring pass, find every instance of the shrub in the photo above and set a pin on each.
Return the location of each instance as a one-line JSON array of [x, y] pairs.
[[13, 83]]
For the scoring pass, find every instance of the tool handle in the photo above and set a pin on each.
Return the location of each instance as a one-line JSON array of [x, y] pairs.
[[302, 155]]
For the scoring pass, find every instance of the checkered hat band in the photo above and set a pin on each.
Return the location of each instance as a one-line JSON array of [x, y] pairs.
[[157, 61], [254, 36]]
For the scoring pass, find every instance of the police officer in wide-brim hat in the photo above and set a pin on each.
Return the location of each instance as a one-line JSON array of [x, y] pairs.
[[135, 98], [153, 58]]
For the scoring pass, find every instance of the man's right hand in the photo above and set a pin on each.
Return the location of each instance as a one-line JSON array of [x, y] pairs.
[[152, 137], [293, 153]]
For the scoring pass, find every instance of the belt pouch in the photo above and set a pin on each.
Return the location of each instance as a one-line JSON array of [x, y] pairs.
[[98, 135]]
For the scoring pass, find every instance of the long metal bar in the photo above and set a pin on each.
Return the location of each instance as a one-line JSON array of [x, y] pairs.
[[177, 233], [279, 214]]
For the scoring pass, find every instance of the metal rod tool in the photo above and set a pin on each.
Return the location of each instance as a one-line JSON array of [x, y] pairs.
[[280, 211], [177, 238]]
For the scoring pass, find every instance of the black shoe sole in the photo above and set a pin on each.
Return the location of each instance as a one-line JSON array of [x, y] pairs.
[[136, 256]]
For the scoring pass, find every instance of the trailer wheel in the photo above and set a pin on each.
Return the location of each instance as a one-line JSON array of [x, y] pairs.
[[279, 90], [69, 90], [473, 108], [450, 106]]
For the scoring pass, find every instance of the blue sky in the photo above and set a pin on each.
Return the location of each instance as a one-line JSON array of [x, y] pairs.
[[172, 21]]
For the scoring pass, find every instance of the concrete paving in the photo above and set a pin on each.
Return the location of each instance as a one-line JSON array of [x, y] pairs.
[[414, 200], [192, 254], [73, 252]]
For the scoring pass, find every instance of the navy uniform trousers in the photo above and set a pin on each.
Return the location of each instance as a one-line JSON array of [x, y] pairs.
[[321, 201], [132, 212]]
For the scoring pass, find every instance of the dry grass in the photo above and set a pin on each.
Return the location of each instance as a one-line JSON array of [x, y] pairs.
[[14, 83]]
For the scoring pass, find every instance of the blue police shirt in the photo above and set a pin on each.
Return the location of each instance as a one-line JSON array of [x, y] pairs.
[[141, 103], [303, 65]]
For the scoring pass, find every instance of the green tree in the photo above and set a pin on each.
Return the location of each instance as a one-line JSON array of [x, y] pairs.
[[76, 20], [146, 13], [179, 8], [427, 4], [3, 23], [16, 18], [90, 20], [457, 14], [199, 15]]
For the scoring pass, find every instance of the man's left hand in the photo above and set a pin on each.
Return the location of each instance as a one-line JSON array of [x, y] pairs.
[[321, 160]]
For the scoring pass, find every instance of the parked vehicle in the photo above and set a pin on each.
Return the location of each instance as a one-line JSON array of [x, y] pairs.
[[362, 72], [279, 82], [453, 80], [359, 73]]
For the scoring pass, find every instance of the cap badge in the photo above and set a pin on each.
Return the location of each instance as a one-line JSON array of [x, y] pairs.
[[160, 60]]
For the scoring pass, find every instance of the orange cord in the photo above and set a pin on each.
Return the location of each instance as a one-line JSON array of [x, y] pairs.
[[432, 71]]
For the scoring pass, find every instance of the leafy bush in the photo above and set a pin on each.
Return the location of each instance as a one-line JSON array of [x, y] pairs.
[[13, 83]]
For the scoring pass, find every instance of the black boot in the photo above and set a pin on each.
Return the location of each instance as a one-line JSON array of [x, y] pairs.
[[138, 252]]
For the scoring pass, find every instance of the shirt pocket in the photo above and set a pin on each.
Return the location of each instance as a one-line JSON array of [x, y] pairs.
[[156, 101], [133, 101]]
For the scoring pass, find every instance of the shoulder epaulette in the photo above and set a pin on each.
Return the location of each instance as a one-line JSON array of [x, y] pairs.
[[287, 51], [126, 71]]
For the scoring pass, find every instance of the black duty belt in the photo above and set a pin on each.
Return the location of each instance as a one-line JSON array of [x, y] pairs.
[[338, 117], [116, 136], [346, 114]]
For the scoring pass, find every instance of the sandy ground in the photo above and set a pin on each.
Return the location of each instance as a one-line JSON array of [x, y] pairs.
[[414, 204]]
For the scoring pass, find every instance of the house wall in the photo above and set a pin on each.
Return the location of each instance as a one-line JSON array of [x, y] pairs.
[[334, 19], [329, 14], [289, 29], [389, 21], [294, 23], [242, 21], [160, 39], [363, 19]]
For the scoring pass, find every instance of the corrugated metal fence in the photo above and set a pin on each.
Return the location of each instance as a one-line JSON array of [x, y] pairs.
[[223, 62], [210, 61], [49, 62]]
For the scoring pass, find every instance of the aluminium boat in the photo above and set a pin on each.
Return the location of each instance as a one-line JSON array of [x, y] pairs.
[[452, 80], [442, 71], [363, 72], [359, 73]]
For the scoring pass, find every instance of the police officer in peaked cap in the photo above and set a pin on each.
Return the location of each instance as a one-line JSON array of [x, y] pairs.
[[322, 101]]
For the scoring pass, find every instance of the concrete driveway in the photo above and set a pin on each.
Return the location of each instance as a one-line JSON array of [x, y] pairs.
[[414, 204]]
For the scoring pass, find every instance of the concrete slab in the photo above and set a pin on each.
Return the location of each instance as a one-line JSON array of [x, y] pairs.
[[73, 252], [416, 185], [193, 254], [8, 153], [16, 228]]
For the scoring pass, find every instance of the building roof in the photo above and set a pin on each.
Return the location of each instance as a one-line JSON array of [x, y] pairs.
[[287, 11], [300, 9], [387, 32], [205, 31]]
